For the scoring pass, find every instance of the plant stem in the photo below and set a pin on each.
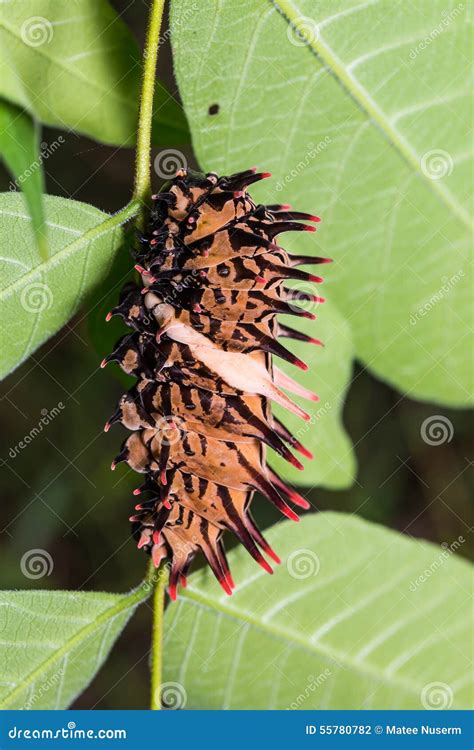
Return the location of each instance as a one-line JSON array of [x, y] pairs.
[[141, 193], [150, 56], [157, 638]]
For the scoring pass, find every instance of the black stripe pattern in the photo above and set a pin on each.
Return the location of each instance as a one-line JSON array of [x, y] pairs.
[[203, 335]]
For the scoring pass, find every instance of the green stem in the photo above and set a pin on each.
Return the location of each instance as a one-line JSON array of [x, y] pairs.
[[157, 639], [150, 56], [141, 193]]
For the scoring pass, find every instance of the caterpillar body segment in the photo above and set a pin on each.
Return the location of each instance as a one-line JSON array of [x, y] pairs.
[[203, 332]]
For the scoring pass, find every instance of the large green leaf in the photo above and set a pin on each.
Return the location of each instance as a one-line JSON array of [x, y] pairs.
[[361, 110], [38, 297], [52, 643], [329, 372], [20, 150], [356, 617], [77, 66]]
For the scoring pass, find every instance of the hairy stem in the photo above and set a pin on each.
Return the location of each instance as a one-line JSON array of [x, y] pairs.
[[150, 56], [141, 193], [157, 638]]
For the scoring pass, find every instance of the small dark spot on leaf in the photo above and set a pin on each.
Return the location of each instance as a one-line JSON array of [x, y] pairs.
[[213, 109]]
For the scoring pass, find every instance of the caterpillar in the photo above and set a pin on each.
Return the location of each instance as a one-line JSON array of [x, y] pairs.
[[204, 332]]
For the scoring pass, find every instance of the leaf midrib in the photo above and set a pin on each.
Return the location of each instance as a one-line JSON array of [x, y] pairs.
[[290, 636], [111, 222], [129, 601], [371, 108]]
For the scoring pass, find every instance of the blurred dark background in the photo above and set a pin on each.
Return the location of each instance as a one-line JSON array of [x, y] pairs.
[[58, 492]]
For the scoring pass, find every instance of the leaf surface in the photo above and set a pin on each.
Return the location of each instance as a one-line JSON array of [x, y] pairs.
[[38, 297], [52, 643], [20, 150], [362, 113], [356, 617], [329, 372], [77, 66]]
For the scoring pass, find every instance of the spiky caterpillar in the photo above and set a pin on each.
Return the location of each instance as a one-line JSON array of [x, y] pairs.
[[204, 333]]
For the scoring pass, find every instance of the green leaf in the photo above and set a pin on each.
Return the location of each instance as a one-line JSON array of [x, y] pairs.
[[328, 374], [20, 150], [356, 617], [77, 66], [362, 112], [38, 297], [52, 643]]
